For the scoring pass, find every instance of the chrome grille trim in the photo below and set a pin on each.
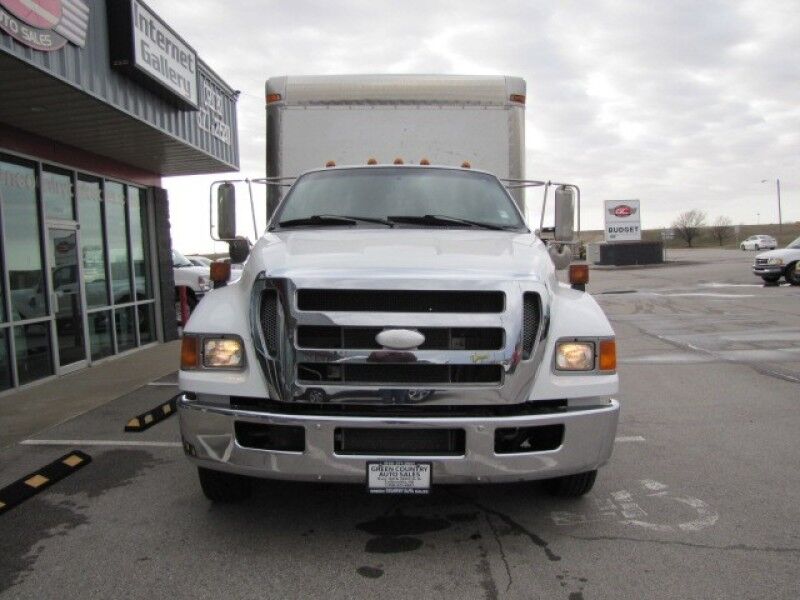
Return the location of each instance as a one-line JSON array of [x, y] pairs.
[[279, 360]]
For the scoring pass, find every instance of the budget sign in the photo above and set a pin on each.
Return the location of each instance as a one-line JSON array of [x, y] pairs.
[[623, 221]]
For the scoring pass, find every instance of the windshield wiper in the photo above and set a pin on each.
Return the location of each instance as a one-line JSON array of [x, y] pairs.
[[325, 220], [443, 221]]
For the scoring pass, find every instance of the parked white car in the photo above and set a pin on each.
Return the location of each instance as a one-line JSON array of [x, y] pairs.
[[785, 262], [759, 242], [197, 279], [200, 261]]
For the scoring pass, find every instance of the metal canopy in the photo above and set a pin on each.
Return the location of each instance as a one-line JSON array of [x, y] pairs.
[[42, 104]]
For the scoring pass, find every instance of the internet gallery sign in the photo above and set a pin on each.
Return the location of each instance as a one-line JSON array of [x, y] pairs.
[[45, 25], [149, 50]]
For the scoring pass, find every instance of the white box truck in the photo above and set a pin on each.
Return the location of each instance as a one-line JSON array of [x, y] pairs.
[[398, 325]]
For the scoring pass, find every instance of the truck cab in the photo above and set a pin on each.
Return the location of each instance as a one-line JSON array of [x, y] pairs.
[[398, 326]]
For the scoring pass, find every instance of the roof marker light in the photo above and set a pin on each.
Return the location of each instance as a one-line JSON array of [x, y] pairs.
[[372, 161], [273, 98], [466, 165], [330, 163], [517, 98], [398, 161], [424, 161]]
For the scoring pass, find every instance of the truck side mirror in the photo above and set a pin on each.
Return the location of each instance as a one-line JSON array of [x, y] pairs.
[[238, 250], [226, 211], [564, 214]]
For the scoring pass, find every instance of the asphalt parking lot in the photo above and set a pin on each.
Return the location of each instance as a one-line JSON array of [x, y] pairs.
[[700, 499]]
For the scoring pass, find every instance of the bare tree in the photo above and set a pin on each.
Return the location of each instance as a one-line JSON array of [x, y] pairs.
[[688, 224], [722, 229]]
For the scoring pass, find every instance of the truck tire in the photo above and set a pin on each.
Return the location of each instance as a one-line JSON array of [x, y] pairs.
[[572, 486], [792, 275], [224, 487]]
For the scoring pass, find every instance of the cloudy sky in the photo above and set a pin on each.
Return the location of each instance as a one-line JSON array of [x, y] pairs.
[[683, 104]]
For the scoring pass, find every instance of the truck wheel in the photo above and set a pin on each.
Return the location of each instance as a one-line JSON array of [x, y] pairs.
[[572, 486], [224, 487], [792, 275]]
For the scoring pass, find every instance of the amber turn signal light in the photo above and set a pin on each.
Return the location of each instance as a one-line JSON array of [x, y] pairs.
[[579, 276], [190, 354], [273, 98], [608, 356], [517, 98], [220, 272]]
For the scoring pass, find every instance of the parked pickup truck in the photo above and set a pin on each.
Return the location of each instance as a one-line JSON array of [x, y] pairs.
[[783, 262], [400, 326]]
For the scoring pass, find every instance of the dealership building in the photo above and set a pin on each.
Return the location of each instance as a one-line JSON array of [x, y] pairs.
[[99, 99]]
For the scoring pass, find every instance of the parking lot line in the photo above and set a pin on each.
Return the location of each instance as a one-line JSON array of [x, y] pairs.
[[629, 438], [100, 443]]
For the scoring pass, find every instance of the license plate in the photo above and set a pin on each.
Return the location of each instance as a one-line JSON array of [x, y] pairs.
[[399, 477]]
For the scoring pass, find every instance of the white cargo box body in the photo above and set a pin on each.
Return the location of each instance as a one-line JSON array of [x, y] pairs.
[[351, 118]]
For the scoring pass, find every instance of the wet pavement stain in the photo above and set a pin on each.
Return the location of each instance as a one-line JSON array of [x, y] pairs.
[[390, 544], [462, 517], [392, 532], [41, 518], [23, 531], [400, 524], [370, 572]]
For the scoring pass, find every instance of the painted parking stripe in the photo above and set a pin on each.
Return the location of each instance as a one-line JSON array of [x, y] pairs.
[[134, 443], [151, 417], [629, 438], [163, 383], [31, 484]]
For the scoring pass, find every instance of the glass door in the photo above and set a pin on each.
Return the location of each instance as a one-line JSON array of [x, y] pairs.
[[66, 301]]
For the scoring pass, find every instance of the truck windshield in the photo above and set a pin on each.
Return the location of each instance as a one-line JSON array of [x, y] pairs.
[[410, 197], [795, 244]]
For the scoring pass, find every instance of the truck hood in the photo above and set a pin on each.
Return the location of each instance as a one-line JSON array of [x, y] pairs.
[[787, 254], [401, 252]]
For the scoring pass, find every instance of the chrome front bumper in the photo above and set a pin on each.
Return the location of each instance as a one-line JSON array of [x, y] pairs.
[[207, 430]]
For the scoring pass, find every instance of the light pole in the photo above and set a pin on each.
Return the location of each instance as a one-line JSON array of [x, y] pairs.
[[778, 188]]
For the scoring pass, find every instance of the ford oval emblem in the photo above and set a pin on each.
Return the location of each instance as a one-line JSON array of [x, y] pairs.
[[400, 339]]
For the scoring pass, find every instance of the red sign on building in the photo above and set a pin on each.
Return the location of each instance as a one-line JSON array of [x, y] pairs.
[[45, 25]]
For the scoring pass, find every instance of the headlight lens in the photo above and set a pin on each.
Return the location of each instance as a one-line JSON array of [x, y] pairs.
[[224, 353], [775, 261], [575, 356]]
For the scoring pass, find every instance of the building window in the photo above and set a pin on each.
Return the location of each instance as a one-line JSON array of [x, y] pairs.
[[117, 227], [57, 195], [93, 245], [5, 364], [22, 241], [143, 279], [34, 355], [115, 310]]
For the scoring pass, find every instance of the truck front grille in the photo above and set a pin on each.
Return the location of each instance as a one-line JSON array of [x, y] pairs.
[[531, 316], [762, 261], [400, 374], [436, 338], [269, 320], [406, 301]]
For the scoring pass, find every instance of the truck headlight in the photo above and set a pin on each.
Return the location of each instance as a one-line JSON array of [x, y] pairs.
[[775, 261], [223, 353], [575, 356]]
